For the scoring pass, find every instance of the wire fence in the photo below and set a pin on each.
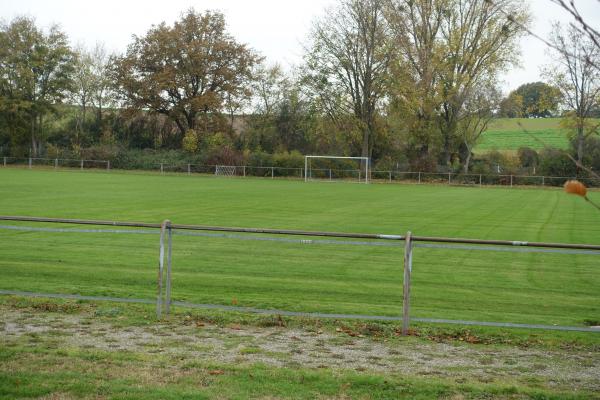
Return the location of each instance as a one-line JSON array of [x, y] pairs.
[[218, 255], [317, 174]]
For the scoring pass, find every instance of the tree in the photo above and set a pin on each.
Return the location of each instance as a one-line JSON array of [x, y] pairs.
[[448, 49], [416, 27], [35, 75], [347, 64], [184, 71], [580, 24], [478, 42], [478, 112], [575, 75], [536, 99], [269, 87], [511, 106], [103, 94], [84, 83]]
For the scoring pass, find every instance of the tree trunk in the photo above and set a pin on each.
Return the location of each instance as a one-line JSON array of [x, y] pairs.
[[83, 112], [467, 161], [446, 151], [580, 142], [191, 120], [99, 117], [365, 142], [33, 152]]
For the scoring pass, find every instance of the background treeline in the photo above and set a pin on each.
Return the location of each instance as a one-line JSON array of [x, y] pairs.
[[413, 84]]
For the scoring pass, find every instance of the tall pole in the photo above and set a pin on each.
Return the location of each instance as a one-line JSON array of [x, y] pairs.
[[169, 256], [406, 288], [161, 262], [305, 168]]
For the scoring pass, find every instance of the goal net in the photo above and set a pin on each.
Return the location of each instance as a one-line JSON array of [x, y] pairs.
[[225, 170], [331, 168]]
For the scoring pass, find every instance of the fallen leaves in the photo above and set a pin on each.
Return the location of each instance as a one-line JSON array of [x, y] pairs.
[[216, 372]]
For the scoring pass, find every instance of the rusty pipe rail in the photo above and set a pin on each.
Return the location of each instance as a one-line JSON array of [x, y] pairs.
[[371, 236]]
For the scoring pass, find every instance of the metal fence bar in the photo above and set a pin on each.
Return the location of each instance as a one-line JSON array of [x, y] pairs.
[[304, 233], [406, 284], [161, 261], [507, 180], [169, 258], [506, 249], [287, 240], [512, 249], [299, 313], [164, 302], [75, 230]]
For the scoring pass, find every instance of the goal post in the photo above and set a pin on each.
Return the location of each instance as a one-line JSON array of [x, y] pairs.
[[225, 170], [361, 172]]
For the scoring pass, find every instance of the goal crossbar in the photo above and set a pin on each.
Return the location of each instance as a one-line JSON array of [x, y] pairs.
[[366, 161]]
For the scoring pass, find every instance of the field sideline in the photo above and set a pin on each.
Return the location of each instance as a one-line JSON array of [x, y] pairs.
[[489, 286]]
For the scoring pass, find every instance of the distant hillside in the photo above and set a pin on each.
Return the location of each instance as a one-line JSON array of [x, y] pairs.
[[508, 134]]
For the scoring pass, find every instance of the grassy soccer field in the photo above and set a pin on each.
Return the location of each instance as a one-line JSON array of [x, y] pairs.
[[476, 285]]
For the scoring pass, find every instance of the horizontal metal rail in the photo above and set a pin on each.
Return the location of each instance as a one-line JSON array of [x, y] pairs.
[[337, 242], [254, 310], [372, 236]]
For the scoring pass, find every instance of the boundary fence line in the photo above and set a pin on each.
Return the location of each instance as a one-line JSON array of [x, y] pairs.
[[252, 310], [164, 302], [321, 174]]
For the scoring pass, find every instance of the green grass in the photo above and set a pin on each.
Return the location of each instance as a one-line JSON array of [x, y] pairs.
[[509, 134], [477, 285], [79, 373]]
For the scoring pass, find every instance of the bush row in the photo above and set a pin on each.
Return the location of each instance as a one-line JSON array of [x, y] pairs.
[[525, 162]]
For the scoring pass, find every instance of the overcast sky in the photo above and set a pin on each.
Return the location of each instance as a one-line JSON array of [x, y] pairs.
[[276, 28]]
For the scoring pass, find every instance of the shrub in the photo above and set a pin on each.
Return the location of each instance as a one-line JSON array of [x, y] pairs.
[[554, 162], [190, 141], [528, 157]]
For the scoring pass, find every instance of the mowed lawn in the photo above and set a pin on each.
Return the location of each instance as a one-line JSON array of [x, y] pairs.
[[510, 134], [447, 283]]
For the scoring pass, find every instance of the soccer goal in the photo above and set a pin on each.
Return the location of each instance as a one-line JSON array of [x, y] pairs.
[[337, 168], [225, 170]]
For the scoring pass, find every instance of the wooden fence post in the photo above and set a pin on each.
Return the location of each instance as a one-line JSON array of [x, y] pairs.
[[406, 289]]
